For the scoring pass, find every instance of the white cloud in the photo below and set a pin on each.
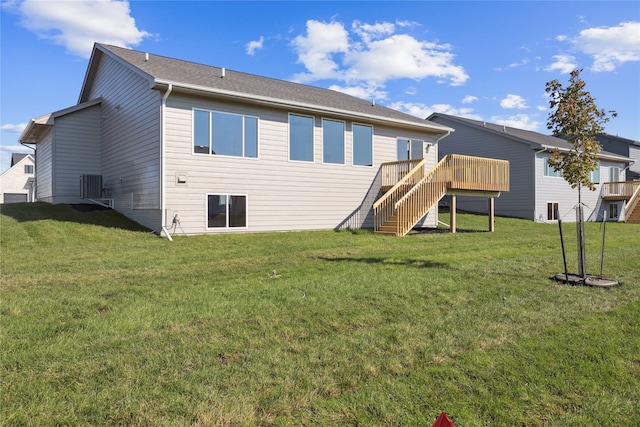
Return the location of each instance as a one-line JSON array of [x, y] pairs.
[[316, 50], [76, 25], [379, 54], [368, 32], [469, 99], [610, 47], [254, 45], [563, 63], [423, 111], [519, 121], [13, 127], [362, 92], [513, 101], [522, 63]]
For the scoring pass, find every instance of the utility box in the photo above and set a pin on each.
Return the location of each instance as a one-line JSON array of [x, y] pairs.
[[91, 186]]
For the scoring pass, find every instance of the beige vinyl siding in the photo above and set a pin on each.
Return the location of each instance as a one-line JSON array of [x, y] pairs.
[[77, 152], [281, 194], [44, 171], [131, 138], [519, 200]]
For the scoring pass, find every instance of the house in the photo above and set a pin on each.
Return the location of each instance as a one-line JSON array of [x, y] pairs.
[[538, 192], [182, 147], [16, 183], [624, 147]]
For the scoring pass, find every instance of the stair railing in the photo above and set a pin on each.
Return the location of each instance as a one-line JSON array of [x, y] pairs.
[[632, 203], [384, 207]]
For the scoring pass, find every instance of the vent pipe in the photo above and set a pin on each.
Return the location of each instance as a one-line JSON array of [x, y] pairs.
[[373, 102], [224, 72], [146, 57]]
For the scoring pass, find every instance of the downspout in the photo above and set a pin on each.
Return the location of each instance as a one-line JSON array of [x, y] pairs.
[[163, 162], [444, 135]]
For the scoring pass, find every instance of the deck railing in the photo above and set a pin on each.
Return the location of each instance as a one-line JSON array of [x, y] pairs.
[[619, 190], [411, 198], [393, 172]]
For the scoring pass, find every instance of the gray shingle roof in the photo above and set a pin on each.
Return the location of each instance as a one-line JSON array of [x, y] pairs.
[[535, 139], [16, 157], [178, 72]]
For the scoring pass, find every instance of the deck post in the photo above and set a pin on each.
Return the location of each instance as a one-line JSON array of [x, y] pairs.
[[452, 213], [492, 221]]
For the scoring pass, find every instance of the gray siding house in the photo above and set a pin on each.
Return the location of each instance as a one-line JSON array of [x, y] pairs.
[[188, 148], [624, 147], [537, 191]]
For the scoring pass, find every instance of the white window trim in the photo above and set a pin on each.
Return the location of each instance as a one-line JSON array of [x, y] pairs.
[[353, 149], [226, 228], [546, 167], [344, 141], [313, 137], [193, 129], [547, 209]]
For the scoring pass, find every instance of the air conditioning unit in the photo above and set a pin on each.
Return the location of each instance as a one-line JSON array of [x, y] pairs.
[[90, 186]]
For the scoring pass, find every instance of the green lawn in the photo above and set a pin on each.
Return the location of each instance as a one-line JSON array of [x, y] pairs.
[[103, 323]]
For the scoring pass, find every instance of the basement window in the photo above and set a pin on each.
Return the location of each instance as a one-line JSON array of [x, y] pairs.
[[226, 211], [552, 211]]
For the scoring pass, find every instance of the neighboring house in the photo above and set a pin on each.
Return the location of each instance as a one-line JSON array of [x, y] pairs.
[[17, 182], [188, 148], [537, 191], [624, 147]]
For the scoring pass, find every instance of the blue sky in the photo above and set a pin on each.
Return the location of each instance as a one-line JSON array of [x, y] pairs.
[[484, 60]]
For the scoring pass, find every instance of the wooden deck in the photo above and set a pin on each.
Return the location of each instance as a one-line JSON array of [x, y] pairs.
[[411, 190]]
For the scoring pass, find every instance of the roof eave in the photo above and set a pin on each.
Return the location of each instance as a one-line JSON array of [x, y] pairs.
[[312, 108], [601, 155]]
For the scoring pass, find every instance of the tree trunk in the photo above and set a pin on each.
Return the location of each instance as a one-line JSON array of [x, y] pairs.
[[582, 264]]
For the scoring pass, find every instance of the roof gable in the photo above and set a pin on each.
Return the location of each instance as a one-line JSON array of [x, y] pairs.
[[163, 71]]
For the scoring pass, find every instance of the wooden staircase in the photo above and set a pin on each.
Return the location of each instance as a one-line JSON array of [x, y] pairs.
[[632, 209], [416, 192]]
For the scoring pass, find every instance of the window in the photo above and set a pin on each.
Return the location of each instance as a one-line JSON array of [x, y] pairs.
[[552, 211], [300, 138], [226, 211], [225, 134], [28, 168], [332, 141], [549, 170], [404, 145], [595, 175], [362, 145], [614, 174], [613, 210]]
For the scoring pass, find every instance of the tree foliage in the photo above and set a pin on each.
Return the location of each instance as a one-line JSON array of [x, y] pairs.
[[576, 118]]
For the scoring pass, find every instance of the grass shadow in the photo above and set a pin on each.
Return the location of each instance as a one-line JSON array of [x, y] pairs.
[[414, 263], [81, 214]]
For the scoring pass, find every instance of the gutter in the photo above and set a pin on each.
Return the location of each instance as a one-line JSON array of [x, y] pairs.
[[300, 105], [163, 121]]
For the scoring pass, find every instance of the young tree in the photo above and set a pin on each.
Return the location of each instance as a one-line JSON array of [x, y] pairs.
[[575, 117]]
